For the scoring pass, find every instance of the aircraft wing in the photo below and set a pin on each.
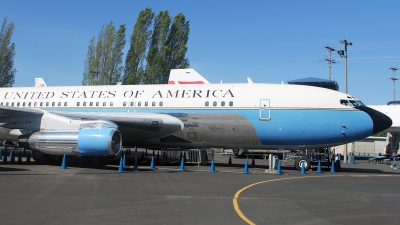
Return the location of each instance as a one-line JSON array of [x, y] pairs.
[[20, 118], [149, 125], [143, 125]]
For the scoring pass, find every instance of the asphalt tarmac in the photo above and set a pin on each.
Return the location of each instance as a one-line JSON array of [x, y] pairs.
[[34, 193]]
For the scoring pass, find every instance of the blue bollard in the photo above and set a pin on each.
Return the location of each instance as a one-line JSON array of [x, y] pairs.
[[212, 168], [278, 171], [135, 166], [124, 161], [12, 159], [246, 168], [182, 168], [303, 170], [152, 163], [319, 170], [121, 167], [333, 167], [64, 163]]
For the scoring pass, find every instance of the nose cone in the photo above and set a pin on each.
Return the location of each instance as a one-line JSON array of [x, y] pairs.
[[380, 120]]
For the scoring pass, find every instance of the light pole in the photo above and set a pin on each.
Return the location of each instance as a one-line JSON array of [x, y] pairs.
[[394, 78], [346, 43]]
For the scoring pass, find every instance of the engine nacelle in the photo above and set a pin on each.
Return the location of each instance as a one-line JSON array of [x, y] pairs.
[[86, 142]]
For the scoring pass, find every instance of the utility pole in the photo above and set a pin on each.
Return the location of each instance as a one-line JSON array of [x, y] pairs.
[[346, 43], [345, 81], [330, 61], [394, 78]]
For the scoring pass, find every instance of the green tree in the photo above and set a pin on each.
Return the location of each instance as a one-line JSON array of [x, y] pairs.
[[7, 53], [154, 52], [156, 57], [103, 65], [134, 72], [176, 46]]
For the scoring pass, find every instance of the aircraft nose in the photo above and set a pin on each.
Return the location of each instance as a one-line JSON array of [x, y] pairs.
[[380, 120]]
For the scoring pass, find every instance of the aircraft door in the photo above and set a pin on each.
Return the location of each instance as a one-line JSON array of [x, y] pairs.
[[265, 111]]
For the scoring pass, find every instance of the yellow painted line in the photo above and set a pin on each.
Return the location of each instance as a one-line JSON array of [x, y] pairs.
[[236, 197]]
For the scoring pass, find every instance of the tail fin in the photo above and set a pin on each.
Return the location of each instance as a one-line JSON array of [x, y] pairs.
[[39, 82], [186, 76]]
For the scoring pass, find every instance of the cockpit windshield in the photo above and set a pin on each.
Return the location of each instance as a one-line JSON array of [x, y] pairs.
[[351, 103]]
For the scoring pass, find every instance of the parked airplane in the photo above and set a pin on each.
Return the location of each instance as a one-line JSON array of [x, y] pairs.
[[392, 110], [97, 120]]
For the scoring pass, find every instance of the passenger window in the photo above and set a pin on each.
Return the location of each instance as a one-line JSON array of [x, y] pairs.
[[139, 103], [222, 103], [41, 104], [59, 103], [104, 103], [65, 103], [91, 103], [153, 104], [207, 103], [132, 103], [124, 104], [161, 104], [230, 103], [78, 104], [84, 104], [1, 103], [35, 104], [214, 103], [23, 104], [146, 104], [7, 104], [111, 103], [17, 103], [47, 104], [29, 104], [97, 103], [53, 104]]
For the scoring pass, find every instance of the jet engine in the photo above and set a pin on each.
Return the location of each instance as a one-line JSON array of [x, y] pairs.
[[93, 138]]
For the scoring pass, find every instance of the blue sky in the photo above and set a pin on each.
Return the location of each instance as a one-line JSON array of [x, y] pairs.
[[268, 41]]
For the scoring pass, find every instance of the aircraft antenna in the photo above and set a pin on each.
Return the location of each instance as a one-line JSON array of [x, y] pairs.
[[394, 78]]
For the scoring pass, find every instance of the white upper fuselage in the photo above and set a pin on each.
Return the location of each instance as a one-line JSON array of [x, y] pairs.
[[173, 96]]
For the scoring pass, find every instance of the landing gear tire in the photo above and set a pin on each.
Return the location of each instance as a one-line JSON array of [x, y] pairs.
[[36, 155], [299, 161]]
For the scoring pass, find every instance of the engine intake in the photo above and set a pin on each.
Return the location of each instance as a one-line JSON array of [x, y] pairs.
[[86, 142]]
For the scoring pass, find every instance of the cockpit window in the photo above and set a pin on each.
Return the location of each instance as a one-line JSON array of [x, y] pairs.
[[351, 103]]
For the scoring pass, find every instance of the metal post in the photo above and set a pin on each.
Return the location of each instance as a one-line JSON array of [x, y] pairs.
[[394, 78], [345, 42]]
